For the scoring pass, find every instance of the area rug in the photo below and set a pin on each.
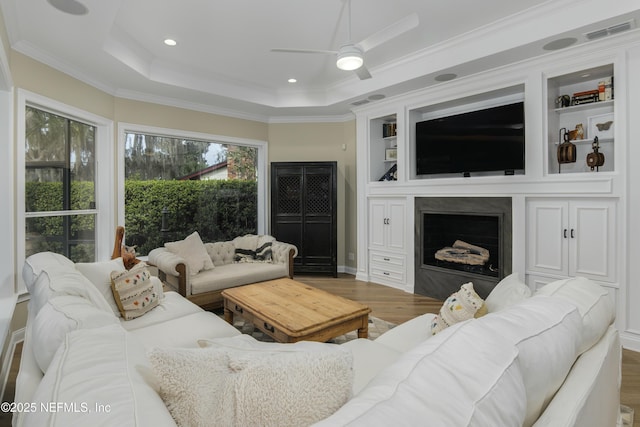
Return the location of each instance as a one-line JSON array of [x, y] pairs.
[[376, 328]]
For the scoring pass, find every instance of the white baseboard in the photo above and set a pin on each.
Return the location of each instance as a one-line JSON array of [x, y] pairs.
[[348, 270], [16, 337]]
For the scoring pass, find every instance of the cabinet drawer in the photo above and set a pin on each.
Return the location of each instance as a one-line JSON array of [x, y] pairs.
[[386, 260], [387, 274]]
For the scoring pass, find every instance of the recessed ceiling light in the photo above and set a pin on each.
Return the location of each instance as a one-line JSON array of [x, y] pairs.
[[72, 7], [560, 43], [170, 42], [292, 80], [445, 77], [585, 75]]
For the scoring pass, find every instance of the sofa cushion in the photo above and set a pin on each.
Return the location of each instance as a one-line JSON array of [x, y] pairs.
[[408, 334], [547, 332], [369, 358], [99, 273], [36, 263], [133, 291], [62, 314], [252, 388], [507, 292], [172, 306], [64, 280], [184, 331], [593, 302], [103, 376], [462, 305], [230, 275], [192, 250], [438, 383]]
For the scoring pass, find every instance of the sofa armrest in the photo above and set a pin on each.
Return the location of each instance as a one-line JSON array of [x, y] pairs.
[[172, 268], [283, 253]]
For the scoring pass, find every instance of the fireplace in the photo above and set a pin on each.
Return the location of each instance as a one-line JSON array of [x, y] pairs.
[[459, 240]]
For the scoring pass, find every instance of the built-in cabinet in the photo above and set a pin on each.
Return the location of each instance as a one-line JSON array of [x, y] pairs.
[[387, 243], [568, 220], [383, 150], [568, 238]]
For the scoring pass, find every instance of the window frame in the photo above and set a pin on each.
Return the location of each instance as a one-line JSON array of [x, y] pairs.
[[261, 163], [104, 175]]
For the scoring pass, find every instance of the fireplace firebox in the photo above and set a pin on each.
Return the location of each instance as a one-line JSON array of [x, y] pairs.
[[459, 240]]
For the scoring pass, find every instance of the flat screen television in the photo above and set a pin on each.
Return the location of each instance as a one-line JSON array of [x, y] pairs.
[[486, 140]]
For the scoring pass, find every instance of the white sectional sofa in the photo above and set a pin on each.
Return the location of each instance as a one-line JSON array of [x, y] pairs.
[[204, 287], [552, 359]]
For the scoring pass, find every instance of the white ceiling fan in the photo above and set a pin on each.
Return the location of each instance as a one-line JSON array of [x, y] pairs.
[[350, 54]]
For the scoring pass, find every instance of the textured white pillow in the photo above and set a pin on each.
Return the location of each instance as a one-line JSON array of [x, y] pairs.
[[252, 388], [99, 273], [462, 305], [134, 291], [508, 292], [593, 302], [194, 253], [60, 315]]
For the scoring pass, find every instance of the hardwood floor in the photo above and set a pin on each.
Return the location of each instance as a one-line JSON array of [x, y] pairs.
[[397, 307]]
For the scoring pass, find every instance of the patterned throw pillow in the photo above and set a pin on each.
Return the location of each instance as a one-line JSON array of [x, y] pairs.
[[133, 291], [461, 305], [253, 248]]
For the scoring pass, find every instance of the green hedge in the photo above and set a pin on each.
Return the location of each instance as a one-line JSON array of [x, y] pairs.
[[217, 209]]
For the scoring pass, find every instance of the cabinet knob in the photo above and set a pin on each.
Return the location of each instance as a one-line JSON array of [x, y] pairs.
[[573, 234], [386, 259], [564, 233]]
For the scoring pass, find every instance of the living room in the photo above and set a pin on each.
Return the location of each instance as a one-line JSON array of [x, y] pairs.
[[345, 138]]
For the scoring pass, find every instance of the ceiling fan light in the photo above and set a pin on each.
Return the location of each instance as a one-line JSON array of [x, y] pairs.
[[349, 58]]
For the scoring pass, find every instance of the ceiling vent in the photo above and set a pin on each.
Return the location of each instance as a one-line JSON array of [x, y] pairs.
[[361, 102], [609, 31]]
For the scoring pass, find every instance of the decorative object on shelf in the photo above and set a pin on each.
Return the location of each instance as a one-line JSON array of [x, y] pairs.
[[601, 126], [577, 133], [566, 149], [585, 97], [389, 130], [595, 159], [391, 154], [563, 101], [391, 174]]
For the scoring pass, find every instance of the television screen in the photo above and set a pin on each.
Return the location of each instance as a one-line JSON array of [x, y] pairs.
[[478, 141]]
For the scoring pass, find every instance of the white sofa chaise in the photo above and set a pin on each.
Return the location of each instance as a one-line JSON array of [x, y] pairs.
[[204, 287], [552, 359]]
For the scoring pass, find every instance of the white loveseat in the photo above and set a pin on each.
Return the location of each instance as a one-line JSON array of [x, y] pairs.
[[548, 360], [204, 287]]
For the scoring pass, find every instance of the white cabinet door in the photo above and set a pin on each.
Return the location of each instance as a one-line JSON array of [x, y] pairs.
[[592, 240], [395, 225], [547, 232], [576, 237], [387, 224], [377, 223]]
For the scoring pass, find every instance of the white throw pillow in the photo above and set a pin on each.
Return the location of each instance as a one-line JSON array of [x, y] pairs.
[[252, 388], [194, 253], [465, 376], [99, 273], [593, 302], [462, 305], [60, 315], [508, 292]]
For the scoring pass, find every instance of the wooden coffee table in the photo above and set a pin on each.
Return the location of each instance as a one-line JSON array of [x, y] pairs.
[[290, 311]]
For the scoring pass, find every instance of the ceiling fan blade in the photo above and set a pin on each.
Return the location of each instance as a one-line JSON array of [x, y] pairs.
[[402, 26], [363, 73], [305, 51]]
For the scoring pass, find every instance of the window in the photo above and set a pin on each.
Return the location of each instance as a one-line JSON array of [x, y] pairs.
[[178, 182], [64, 181], [59, 185]]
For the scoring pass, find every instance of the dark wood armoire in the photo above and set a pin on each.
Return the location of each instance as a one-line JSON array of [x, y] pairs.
[[303, 212]]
